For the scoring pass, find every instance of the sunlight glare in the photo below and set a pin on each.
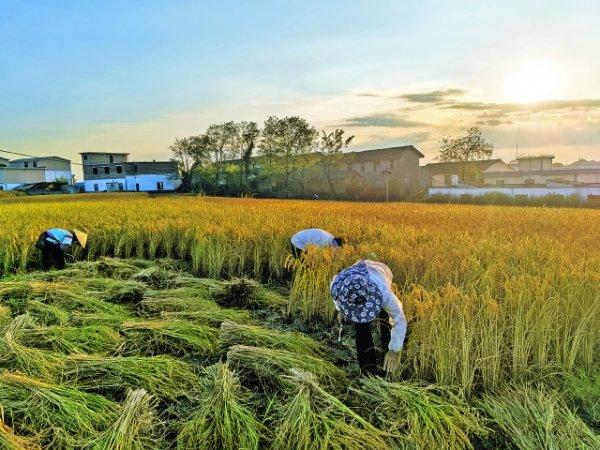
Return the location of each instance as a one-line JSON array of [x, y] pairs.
[[533, 81]]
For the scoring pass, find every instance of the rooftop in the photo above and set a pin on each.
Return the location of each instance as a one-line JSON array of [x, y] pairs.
[[367, 154], [102, 153], [32, 158], [519, 158]]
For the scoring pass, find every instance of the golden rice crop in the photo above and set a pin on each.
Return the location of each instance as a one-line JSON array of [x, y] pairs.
[[491, 293]]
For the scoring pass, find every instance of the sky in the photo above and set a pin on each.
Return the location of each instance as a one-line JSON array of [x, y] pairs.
[[131, 76]]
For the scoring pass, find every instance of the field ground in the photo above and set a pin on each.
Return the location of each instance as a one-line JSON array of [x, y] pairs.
[[503, 305]]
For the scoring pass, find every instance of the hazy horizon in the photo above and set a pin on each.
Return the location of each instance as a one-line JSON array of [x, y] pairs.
[[113, 77]]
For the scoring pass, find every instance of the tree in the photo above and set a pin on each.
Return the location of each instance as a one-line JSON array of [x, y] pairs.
[[331, 145], [190, 153], [287, 144], [243, 144], [220, 139], [464, 150]]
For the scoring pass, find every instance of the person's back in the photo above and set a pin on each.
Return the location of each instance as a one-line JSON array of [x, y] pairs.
[[313, 236]]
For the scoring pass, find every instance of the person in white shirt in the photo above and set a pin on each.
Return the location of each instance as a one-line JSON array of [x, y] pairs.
[[361, 294], [313, 236]]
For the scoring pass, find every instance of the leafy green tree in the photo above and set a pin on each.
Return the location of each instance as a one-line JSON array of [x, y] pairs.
[[221, 138], [331, 145], [464, 150], [190, 153], [287, 145], [242, 146]]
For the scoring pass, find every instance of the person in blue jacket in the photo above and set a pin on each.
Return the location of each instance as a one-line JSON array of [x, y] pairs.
[[54, 242]]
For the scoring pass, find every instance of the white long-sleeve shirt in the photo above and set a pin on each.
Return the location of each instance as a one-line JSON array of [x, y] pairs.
[[313, 236], [381, 275]]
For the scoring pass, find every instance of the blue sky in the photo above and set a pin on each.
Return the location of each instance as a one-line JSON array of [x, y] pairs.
[[132, 76]]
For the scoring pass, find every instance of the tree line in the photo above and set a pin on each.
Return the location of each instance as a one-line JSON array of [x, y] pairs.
[[220, 160]]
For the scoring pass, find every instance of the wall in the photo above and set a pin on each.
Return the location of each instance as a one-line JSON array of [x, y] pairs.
[[582, 191], [99, 158], [146, 183], [17, 176]]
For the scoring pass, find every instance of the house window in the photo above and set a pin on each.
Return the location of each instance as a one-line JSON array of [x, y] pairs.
[[110, 158], [391, 164], [119, 169], [85, 157], [107, 170], [500, 182], [529, 181], [137, 187], [135, 168], [120, 186], [96, 187], [26, 164], [35, 164], [95, 171], [159, 186], [362, 167]]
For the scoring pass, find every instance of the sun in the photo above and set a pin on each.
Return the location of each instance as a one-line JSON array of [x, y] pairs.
[[533, 81]]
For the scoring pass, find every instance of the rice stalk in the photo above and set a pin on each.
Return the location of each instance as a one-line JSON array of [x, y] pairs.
[[156, 277], [60, 417], [248, 294], [10, 441], [532, 418], [234, 333], [174, 337], [135, 427], [162, 376], [418, 416], [99, 339], [582, 390], [313, 418], [30, 361], [47, 314], [268, 367], [4, 315], [212, 317], [224, 418], [175, 304]]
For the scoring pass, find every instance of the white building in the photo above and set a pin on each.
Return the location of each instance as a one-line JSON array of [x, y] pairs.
[[54, 167], [106, 172]]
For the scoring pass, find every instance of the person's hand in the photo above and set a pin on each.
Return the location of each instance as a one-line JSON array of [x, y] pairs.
[[391, 362]]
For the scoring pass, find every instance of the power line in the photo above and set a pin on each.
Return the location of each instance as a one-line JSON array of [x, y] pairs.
[[32, 156]]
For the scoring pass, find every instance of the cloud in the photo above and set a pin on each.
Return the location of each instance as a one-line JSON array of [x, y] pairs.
[[383, 120], [433, 96], [494, 122], [548, 105]]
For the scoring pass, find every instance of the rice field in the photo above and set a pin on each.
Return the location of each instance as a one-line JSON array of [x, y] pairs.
[[186, 325]]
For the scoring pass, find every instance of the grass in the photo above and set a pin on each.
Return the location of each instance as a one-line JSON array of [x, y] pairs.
[[313, 418], [60, 417], [135, 427], [173, 337], [268, 367], [232, 333], [224, 418], [162, 376], [418, 416], [532, 418]]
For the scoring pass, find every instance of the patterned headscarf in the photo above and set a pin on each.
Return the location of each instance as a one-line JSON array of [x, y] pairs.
[[357, 297]]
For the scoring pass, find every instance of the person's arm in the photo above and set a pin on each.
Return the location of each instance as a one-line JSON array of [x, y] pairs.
[[393, 307]]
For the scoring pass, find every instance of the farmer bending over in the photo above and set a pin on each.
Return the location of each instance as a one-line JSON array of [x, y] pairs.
[[362, 293], [313, 236], [53, 243]]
